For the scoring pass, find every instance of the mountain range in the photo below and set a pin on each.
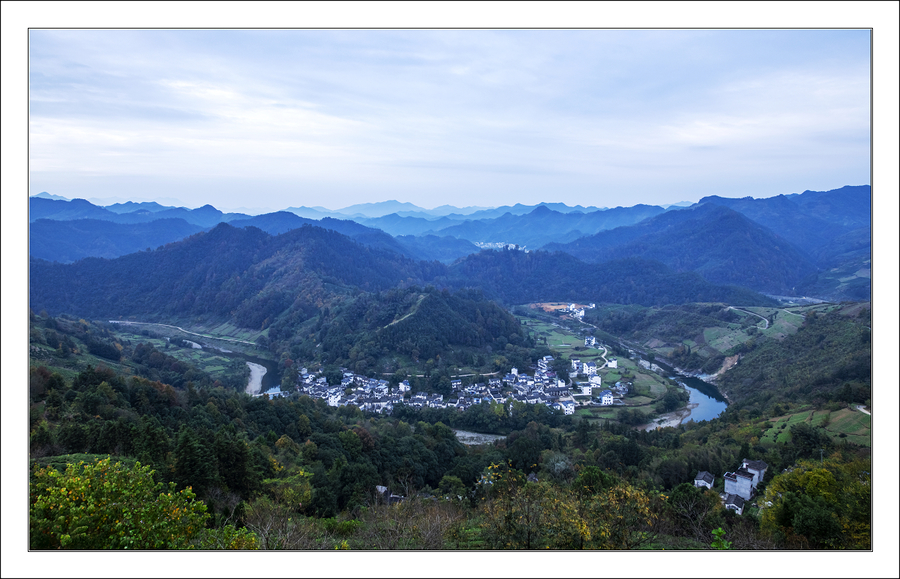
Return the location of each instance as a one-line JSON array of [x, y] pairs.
[[813, 243]]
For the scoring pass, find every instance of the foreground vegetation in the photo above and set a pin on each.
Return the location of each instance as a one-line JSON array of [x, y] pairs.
[[295, 473]]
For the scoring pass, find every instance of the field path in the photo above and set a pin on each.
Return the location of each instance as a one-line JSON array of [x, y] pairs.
[[181, 330], [752, 314]]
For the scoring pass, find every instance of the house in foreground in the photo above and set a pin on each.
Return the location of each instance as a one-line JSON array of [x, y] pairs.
[[735, 503], [704, 479], [740, 485]]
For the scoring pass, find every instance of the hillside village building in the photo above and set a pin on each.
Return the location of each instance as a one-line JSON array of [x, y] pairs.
[[704, 479], [740, 485]]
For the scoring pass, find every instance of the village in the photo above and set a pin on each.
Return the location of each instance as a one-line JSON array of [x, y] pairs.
[[541, 386]]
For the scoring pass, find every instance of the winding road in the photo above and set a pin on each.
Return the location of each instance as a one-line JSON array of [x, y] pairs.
[[752, 314], [181, 330]]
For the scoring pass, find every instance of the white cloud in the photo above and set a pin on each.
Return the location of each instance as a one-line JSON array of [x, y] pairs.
[[417, 111]]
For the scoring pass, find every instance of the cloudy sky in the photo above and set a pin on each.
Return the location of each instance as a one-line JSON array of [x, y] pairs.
[[278, 118]]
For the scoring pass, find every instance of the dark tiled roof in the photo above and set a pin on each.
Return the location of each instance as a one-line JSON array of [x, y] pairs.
[[756, 464], [734, 500], [705, 476]]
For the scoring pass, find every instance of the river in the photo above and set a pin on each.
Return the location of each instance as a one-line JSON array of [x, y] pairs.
[[710, 403], [705, 403]]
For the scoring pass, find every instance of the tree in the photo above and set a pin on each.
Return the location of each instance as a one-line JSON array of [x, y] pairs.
[[620, 518], [106, 505], [821, 504], [193, 462], [694, 510]]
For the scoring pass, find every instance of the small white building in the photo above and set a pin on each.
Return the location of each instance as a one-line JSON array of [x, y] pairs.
[[735, 503], [612, 363], [704, 479], [606, 398]]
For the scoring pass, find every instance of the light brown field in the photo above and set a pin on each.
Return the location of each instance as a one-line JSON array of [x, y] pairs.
[[554, 306]]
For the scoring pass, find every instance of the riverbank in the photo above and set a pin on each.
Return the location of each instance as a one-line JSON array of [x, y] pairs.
[[256, 375], [476, 438], [670, 418]]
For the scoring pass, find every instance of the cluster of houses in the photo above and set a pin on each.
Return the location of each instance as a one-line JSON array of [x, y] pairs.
[[578, 312], [543, 387], [740, 485]]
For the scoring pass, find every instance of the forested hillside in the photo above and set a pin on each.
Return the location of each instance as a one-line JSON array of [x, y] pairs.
[[718, 243], [298, 474], [240, 274], [288, 283], [406, 327], [68, 241], [516, 277], [828, 359]]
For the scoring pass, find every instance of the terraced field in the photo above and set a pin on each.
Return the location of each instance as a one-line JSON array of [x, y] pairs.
[[844, 424]]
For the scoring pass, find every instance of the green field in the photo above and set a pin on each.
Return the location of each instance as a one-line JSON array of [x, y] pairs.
[[855, 426], [556, 337], [207, 360]]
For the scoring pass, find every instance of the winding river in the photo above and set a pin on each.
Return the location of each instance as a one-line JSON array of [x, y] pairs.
[[710, 403]]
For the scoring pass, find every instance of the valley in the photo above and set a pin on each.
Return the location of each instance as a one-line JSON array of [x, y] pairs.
[[259, 353]]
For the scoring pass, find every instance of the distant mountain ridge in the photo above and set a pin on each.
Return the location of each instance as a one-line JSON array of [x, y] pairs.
[[68, 241], [812, 243], [249, 277], [722, 245], [42, 208]]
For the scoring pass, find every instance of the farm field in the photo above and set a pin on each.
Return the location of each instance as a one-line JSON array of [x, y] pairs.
[[207, 360], [556, 337], [844, 424]]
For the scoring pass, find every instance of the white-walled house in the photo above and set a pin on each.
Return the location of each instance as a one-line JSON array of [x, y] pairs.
[[606, 398], [586, 388], [704, 479], [757, 468], [735, 503], [595, 380], [612, 363], [740, 483], [743, 481]]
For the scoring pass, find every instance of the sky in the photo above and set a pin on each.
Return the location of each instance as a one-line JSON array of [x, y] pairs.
[[269, 119]]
